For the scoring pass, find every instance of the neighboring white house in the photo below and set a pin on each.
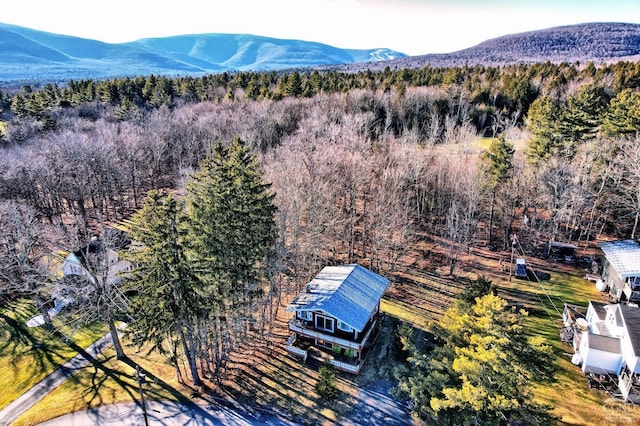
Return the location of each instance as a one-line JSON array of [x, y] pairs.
[[337, 316], [621, 270], [76, 264], [607, 342]]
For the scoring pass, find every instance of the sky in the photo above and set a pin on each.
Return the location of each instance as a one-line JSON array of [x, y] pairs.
[[413, 27]]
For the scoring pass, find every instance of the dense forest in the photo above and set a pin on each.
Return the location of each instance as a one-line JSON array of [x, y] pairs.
[[360, 167], [92, 148]]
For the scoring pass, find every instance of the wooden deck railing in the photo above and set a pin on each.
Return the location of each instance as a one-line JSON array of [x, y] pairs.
[[294, 350], [296, 325]]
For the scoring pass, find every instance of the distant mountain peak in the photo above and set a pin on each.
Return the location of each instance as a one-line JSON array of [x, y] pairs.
[[29, 55]]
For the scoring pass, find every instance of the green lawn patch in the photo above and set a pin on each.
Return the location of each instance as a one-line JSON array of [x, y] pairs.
[[27, 355], [265, 375], [569, 395]]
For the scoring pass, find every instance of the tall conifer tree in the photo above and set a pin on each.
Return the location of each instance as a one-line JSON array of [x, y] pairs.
[[168, 301], [232, 222]]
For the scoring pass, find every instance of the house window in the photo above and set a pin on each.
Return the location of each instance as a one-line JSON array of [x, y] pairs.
[[344, 327], [304, 315], [324, 323]]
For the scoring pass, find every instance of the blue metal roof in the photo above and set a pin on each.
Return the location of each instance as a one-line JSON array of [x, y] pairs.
[[349, 293], [624, 256]]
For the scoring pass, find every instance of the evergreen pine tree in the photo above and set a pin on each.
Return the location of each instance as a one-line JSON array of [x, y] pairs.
[[231, 214], [168, 300], [482, 370], [326, 385], [497, 166]]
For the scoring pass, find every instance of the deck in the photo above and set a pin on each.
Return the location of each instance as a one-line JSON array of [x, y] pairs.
[[304, 349], [302, 344]]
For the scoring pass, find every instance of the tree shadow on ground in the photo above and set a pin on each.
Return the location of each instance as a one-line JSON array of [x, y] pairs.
[[97, 385], [16, 340], [91, 395], [289, 394]]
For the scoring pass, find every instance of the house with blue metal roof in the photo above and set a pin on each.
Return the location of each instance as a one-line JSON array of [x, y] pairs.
[[337, 316], [621, 269]]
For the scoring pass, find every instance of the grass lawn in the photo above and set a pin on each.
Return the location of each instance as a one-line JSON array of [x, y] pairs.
[[571, 398], [108, 381], [573, 401], [27, 355]]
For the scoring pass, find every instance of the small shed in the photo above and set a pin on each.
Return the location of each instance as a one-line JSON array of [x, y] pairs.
[[521, 268], [565, 251]]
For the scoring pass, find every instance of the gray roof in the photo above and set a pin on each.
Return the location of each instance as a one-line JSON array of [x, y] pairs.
[[600, 309], [623, 255], [604, 343], [631, 316], [349, 293]]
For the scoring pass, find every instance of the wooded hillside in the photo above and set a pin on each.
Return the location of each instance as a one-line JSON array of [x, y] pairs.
[[366, 153]]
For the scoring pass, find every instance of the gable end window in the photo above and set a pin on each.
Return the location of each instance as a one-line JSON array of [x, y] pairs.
[[305, 315], [344, 327]]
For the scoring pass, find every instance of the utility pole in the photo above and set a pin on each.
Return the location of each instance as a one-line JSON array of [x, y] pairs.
[[141, 377], [514, 242]]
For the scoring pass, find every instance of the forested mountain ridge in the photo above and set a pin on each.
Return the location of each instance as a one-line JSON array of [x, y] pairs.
[[30, 55], [600, 42]]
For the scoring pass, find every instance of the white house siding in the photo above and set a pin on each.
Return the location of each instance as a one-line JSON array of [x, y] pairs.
[[600, 354], [627, 353], [601, 362]]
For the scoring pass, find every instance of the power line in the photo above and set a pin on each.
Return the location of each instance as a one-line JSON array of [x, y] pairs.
[[516, 245]]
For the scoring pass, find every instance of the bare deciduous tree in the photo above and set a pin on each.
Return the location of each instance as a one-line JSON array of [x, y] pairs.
[[24, 269]]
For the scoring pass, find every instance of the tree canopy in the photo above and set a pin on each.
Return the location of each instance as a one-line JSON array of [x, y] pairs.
[[231, 217], [481, 369], [202, 260]]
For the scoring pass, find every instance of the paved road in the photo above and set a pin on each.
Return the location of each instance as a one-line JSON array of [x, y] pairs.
[[25, 401], [165, 413], [376, 407]]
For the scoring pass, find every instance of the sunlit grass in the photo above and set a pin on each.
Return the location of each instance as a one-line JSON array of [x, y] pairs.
[[404, 311], [27, 355], [482, 144], [569, 395], [109, 381], [271, 378]]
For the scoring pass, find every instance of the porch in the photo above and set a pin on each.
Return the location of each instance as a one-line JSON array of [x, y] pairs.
[[307, 329], [342, 359], [629, 385]]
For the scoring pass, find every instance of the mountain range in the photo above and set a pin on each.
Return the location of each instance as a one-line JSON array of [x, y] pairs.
[[28, 55]]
